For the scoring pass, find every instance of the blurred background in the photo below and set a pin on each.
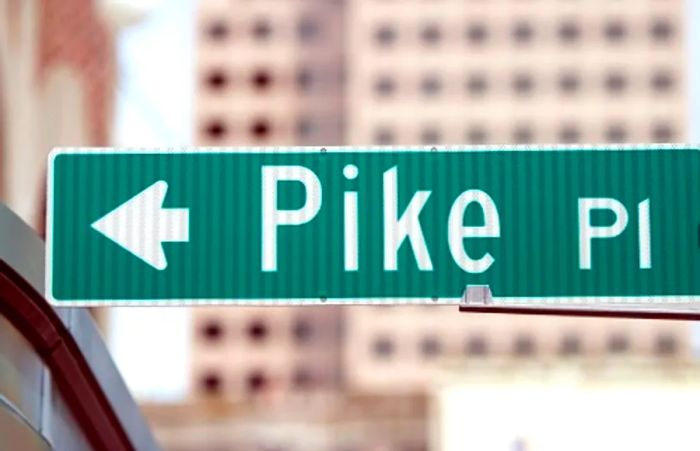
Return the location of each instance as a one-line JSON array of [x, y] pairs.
[[359, 72]]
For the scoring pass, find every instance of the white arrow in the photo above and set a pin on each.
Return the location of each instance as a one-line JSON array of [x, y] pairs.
[[141, 225]]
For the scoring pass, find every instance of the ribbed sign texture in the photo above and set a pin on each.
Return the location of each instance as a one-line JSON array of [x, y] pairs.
[[344, 225]]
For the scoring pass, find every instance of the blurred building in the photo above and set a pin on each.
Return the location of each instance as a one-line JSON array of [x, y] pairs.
[[576, 405], [57, 79]]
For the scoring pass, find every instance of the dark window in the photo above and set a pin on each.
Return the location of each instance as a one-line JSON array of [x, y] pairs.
[[569, 82], [305, 127], [303, 379], [302, 330], [262, 30], [383, 347], [305, 80], [476, 84], [570, 345], [615, 31], [615, 133], [615, 82], [523, 84], [257, 330], [260, 129], [431, 34], [216, 79], [522, 32], [211, 383], [430, 85], [662, 81], [523, 134], [430, 136], [662, 133], [384, 86], [430, 347], [524, 346], [307, 29], [385, 35], [212, 330], [215, 129], [661, 30], [256, 381], [477, 346], [618, 344], [666, 345], [477, 135], [569, 32], [217, 31], [261, 79], [476, 33], [569, 134], [384, 136]]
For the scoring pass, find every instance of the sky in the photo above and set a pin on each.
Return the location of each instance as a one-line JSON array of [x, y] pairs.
[[155, 63]]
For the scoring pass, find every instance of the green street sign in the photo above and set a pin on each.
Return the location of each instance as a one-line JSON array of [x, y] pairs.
[[573, 225]]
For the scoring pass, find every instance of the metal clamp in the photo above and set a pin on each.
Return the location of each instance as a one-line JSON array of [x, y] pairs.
[[477, 295]]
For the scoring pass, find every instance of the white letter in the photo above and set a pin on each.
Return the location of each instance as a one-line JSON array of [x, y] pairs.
[[272, 217], [395, 232], [456, 231], [587, 232], [351, 237], [644, 236]]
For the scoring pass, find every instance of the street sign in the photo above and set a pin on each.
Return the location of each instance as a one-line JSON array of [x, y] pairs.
[[564, 225]]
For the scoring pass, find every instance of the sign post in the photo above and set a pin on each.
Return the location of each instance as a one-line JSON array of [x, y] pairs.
[[537, 226]]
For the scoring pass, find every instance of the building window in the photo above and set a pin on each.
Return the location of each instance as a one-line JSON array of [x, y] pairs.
[[431, 34], [569, 134], [215, 129], [261, 79], [306, 80], [384, 136], [523, 84], [384, 86], [302, 379], [477, 135], [522, 33], [477, 346], [260, 129], [523, 134], [662, 133], [615, 31], [476, 84], [211, 383], [476, 33], [666, 345], [302, 331], [524, 346], [430, 136], [212, 330], [262, 30], [615, 82], [217, 31], [256, 382], [569, 83], [570, 345], [306, 128], [430, 85], [662, 81], [257, 330], [569, 32], [385, 35], [307, 30], [661, 30], [618, 344], [615, 134], [383, 347], [430, 347], [216, 79]]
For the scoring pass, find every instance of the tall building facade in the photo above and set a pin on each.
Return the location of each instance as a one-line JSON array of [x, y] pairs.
[[434, 73]]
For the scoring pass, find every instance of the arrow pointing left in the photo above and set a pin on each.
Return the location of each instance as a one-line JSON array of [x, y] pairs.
[[141, 225]]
